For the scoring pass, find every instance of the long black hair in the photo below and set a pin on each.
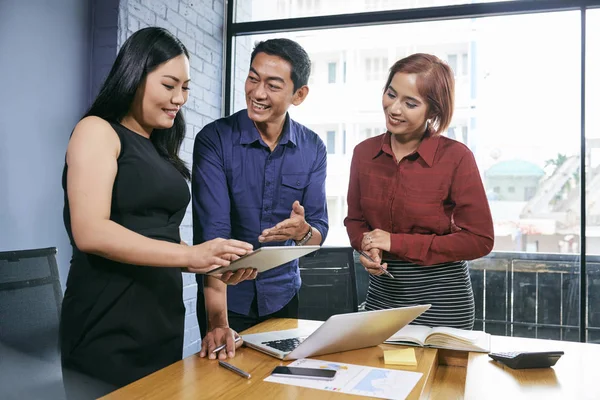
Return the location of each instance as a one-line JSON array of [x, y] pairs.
[[145, 50]]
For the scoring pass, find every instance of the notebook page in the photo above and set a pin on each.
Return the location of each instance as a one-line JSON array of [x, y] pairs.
[[411, 333], [459, 339]]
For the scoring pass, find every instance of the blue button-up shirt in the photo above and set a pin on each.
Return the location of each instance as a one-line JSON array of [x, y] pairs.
[[240, 188]]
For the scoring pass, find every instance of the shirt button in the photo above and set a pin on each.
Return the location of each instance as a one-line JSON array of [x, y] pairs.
[[297, 183]]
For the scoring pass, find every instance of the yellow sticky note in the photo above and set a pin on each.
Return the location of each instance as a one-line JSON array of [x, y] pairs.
[[400, 357]]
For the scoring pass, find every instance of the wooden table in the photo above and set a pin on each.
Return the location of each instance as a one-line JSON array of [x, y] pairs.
[[446, 374], [575, 376]]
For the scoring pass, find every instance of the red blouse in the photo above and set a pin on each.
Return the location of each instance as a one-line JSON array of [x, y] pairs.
[[433, 202]]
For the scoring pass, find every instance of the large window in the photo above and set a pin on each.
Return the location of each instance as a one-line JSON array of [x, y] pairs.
[[518, 108], [516, 143]]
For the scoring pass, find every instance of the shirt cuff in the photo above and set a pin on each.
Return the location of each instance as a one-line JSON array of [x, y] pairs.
[[356, 241], [398, 245], [319, 227]]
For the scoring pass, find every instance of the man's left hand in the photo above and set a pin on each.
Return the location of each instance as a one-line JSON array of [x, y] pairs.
[[233, 278], [295, 227], [216, 337], [230, 277]]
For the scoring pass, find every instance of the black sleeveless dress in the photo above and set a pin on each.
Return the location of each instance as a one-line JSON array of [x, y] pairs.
[[120, 322]]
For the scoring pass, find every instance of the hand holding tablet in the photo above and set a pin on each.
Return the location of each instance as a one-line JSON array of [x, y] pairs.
[[266, 258]]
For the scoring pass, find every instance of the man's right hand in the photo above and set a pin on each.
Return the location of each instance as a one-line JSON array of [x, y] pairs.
[[217, 336], [205, 257]]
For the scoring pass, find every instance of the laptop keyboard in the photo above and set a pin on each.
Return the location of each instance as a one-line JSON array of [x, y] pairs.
[[285, 345]]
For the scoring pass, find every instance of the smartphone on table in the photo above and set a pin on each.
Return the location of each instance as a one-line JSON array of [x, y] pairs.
[[299, 372]]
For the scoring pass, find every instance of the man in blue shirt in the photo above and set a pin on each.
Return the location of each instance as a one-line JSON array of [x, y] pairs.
[[259, 176]]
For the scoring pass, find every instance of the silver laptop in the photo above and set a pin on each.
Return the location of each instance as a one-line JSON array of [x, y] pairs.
[[340, 332]]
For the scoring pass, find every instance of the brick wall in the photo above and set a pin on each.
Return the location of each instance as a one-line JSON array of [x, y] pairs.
[[199, 25]]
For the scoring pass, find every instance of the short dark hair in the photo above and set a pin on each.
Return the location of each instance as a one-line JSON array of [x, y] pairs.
[[145, 50], [291, 52]]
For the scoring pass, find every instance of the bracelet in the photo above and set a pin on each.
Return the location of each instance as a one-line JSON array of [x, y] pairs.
[[306, 237]]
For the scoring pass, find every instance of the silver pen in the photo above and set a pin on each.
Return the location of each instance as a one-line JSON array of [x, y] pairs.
[[221, 347], [234, 369], [385, 271]]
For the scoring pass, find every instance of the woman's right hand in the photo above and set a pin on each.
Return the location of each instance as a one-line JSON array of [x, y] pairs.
[[216, 253], [373, 268]]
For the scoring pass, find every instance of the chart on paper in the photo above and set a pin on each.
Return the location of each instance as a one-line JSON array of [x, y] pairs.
[[356, 379]]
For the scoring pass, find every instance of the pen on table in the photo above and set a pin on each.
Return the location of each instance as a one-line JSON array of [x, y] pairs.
[[234, 369], [365, 255], [221, 347]]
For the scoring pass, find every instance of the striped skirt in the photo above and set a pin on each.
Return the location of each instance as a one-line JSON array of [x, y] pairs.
[[447, 287]]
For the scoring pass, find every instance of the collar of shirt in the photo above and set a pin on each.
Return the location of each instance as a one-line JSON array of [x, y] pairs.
[[249, 133], [427, 148]]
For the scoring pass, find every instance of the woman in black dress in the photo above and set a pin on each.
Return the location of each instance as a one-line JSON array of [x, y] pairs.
[[125, 197]]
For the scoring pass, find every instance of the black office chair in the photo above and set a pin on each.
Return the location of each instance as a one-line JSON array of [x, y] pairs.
[[30, 300], [328, 283]]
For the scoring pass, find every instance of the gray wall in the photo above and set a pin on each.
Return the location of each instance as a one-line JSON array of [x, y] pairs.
[[54, 56], [199, 25], [44, 78]]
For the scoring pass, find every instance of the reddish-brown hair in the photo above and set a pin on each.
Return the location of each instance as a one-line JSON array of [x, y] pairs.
[[435, 83]]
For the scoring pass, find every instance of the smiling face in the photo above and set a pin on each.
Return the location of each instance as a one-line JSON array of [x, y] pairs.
[[160, 96], [270, 90], [406, 112]]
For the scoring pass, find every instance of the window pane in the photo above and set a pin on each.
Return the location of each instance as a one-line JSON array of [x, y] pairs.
[[451, 132], [334, 211], [524, 132], [592, 131], [313, 73], [465, 135], [452, 63], [332, 72], [330, 142], [465, 64], [376, 67], [261, 10]]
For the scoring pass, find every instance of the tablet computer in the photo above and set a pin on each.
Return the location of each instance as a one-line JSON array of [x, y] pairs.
[[266, 258]]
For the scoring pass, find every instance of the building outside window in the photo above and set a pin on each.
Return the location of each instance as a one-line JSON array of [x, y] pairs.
[[459, 63], [376, 68], [330, 142], [332, 72], [531, 167]]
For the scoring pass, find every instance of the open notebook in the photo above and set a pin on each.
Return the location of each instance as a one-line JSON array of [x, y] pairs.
[[442, 337]]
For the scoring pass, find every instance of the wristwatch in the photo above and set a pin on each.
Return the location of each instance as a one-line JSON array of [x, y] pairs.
[[306, 237]]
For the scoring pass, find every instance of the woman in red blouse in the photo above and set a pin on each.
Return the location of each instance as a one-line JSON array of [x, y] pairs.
[[416, 203]]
